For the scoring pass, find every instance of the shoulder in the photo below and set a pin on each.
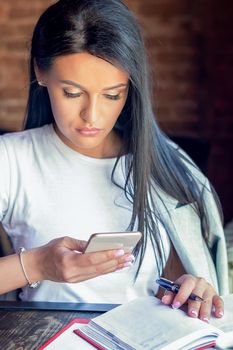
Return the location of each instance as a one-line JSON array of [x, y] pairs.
[[24, 140], [26, 135], [191, 168]]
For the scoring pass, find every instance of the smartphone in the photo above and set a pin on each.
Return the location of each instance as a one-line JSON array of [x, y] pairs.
[[113, 240]]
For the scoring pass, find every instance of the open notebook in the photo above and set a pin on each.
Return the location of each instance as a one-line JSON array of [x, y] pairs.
[[145, 323]]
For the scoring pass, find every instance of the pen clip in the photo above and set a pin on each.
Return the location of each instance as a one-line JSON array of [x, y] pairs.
[[166, 284]]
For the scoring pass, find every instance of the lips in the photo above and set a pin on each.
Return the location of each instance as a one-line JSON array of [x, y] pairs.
[[88, 131]]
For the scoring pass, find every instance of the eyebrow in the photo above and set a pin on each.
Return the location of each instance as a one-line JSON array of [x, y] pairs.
[[70, 82]]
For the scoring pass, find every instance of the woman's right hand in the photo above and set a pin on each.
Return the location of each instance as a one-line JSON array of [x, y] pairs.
[[62, 260]]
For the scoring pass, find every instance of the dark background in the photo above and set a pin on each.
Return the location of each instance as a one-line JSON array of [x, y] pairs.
[[190, 48]]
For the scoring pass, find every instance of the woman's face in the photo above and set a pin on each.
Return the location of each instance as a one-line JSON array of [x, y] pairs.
[[87, 95]]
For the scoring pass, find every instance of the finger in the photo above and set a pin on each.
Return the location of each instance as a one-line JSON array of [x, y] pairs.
[[125, 259], [85, 273], [102, 257], [125, 265], [87, 276], [122, 262], [90, 267], [205, 308], [71, 243], [76, 266], [84, 266], [110, 270], [195, 306], [81, 245], [218, 305], [168, 297], [184, 292], [109, 267]]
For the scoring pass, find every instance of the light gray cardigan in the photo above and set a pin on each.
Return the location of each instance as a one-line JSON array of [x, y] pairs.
[[186, 236]]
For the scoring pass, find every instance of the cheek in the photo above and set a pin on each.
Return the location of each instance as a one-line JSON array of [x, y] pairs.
[[63, 110], [114, 112]]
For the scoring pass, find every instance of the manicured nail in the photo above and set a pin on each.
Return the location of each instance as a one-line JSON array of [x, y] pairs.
[[129, 258], [176, 305], [127, 264], [219, 313], [205, 319], [164, 299], [193, 313], [119, 252]]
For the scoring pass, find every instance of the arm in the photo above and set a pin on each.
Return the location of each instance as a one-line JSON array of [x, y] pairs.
[[217, 243], [173, 269], [194, 281], [61, 260], [11, 274]]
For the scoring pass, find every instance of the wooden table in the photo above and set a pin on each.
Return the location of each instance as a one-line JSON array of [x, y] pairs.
[[27, 325]]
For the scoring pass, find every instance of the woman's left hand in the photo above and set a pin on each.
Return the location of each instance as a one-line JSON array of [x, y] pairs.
[[199, 286]]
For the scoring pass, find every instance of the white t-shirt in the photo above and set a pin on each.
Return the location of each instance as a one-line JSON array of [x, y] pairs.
[[48, 190]]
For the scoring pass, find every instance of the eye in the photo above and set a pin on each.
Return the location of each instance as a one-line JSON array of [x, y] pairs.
[[112, 97], [71, 94]]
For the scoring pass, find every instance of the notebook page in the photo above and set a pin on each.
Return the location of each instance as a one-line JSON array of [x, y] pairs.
[[147, 324], [226, 322]]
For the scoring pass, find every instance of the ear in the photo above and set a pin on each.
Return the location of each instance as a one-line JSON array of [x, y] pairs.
[[40, 76]]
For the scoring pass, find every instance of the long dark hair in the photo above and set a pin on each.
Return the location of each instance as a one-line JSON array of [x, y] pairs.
[[109, 30]]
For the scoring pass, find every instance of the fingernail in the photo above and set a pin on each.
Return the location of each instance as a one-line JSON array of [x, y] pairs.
[[193, 313], [219, 313], [176, 305], [129, 258], [119, 252], [205, 319], [127, 264], [164, 299]]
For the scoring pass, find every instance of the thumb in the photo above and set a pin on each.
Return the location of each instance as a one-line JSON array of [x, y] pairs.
[[72, 243]]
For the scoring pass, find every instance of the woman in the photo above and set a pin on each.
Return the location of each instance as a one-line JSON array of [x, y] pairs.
[[94, 160]]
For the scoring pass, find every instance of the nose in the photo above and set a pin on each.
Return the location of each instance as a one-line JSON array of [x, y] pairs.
[[89, 110]]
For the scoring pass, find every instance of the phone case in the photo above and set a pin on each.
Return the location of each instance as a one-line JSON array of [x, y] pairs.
[[113, 240]]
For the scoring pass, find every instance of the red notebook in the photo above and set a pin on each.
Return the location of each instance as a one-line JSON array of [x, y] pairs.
[[66, 339]]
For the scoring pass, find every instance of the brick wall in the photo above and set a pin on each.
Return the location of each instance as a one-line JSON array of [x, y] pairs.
[[173, 49], [218, 32], [190, 48], [17, 19]]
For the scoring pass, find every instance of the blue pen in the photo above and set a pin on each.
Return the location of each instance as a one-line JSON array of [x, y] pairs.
[[172, 287]]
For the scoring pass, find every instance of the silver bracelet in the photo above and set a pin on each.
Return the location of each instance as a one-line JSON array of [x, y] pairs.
[[30, 284]]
